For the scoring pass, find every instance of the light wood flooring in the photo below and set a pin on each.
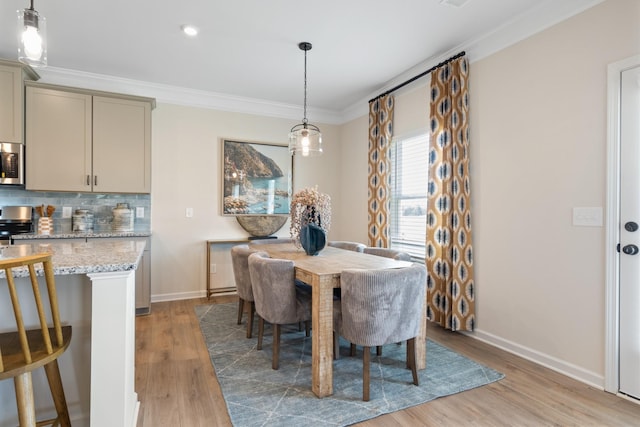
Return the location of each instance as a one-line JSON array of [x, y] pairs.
[[177, 386]]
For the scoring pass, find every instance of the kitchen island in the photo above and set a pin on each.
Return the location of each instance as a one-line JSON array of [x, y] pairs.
[[143, 277], [95, 281]]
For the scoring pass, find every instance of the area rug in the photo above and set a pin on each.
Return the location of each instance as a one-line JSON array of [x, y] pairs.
[[257, 395]]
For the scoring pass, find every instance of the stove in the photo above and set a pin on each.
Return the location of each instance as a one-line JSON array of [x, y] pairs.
[[15, 220]]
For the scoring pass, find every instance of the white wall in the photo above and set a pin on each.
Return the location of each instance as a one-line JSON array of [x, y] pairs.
[[186, 172], [538, 149]]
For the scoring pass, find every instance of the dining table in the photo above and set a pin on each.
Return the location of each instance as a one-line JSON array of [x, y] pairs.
[[322, 273]]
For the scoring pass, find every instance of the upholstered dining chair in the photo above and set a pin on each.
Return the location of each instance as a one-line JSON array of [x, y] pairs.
[[350, 246], [371, 313], [270, 241], [240, 261], [278, 299], [388, 253], [23, 351]]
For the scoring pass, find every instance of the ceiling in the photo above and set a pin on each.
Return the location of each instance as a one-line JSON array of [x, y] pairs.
[[248, 49]]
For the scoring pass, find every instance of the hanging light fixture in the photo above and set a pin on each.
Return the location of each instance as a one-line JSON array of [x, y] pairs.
[[304, 137], [32, 37]]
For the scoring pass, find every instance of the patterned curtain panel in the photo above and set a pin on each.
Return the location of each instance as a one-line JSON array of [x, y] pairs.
[[380, 132], [449, 256]]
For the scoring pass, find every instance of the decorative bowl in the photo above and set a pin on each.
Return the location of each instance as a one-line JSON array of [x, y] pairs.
[[261, 225]]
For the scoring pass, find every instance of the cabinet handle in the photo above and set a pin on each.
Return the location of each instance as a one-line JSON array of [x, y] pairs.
[[88, 180], [95, 180]]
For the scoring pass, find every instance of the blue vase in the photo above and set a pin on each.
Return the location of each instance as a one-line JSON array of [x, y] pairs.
[[312, 239]]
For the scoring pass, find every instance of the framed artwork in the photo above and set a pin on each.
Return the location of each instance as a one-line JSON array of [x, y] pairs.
[[257, 178]]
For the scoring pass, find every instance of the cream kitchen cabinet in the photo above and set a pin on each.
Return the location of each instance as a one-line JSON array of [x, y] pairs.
[[87, 141], [12, 76]]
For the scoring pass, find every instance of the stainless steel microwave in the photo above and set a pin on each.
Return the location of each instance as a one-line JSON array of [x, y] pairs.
[[11, 163]]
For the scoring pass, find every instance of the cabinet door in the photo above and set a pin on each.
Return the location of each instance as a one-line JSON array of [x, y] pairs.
[[58, 140], [10, 104], [121, 145]]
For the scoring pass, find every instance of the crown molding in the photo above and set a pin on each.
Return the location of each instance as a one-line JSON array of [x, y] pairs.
[[544, 15], [183, 96]]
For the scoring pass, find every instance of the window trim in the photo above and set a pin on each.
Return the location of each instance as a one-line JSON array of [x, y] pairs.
[[395, 202]]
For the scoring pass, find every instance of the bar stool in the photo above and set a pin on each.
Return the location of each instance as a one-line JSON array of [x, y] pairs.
[[23, 351]]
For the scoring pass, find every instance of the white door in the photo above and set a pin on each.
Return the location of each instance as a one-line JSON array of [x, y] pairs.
[[630, 233]]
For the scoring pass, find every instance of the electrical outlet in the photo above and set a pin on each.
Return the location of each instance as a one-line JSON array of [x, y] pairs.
[[212, 269], [140, 212], [66, 212], [188, 212]]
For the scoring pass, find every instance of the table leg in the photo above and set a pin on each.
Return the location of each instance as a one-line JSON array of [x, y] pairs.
[[322, 337], [421, 341]]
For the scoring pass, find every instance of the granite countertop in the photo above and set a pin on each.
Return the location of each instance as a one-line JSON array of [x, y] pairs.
[[94, 256], [82, 235]]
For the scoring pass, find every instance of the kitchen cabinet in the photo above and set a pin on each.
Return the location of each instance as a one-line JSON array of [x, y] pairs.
[[87, 141], [12, 76]]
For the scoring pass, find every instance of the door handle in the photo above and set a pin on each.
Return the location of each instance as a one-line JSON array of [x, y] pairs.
[[630, 249]]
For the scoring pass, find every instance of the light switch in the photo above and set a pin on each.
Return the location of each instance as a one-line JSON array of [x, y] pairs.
[[140, 212], [189, 212], [587, 217]]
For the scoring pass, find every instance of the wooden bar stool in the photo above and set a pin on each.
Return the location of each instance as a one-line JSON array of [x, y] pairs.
[[25, 350]]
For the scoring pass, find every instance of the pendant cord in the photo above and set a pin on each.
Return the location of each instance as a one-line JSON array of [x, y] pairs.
[[304, 120]]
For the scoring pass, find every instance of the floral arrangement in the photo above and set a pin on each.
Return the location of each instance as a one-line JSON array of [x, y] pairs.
[[309, 206]]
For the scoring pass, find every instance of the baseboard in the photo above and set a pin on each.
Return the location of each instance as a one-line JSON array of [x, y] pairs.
[[590, 378], [178, 296]]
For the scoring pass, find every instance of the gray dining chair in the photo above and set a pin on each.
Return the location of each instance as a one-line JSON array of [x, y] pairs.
[[350, 246], [269, 241], [371, 313], [240, 262], [278, 299], [388, 253]]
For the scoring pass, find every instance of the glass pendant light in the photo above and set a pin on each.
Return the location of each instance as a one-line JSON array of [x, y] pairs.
[[305, 138], [32, 37]]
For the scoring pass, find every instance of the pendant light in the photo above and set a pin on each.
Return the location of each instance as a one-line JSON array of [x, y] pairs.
[[304, 137], [32, 37]]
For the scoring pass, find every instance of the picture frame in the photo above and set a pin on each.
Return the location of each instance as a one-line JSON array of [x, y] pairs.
[[257, 178]]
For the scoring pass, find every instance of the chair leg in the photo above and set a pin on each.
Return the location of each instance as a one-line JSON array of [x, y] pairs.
[[411, 359], [366, 372], [252, 307], [240, 309], [352, 350], [336, 346], [276, 347], [57, 392], [307, 328], [260, 331], [24, 398], [379, 350]]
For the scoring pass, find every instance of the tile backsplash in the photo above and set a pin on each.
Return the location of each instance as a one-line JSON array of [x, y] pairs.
[[100, 204]]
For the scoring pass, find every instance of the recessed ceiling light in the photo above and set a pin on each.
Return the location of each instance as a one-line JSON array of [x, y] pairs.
[[189, 30], [454, 3]]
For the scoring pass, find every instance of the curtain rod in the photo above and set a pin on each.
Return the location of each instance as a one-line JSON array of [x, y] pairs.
[[393, 89]]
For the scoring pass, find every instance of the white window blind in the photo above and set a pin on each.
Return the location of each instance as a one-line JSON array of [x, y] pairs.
[[409, 175]]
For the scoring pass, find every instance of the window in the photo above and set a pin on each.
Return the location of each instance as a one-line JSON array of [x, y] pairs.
[[409, 175]]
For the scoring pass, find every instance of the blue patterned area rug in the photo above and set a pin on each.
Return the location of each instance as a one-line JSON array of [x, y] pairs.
[[256, 395]]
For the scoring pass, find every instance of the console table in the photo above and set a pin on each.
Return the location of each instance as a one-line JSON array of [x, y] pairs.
[[219, 265]]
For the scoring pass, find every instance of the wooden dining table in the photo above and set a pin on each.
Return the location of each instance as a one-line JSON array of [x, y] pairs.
[[322, 272]]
